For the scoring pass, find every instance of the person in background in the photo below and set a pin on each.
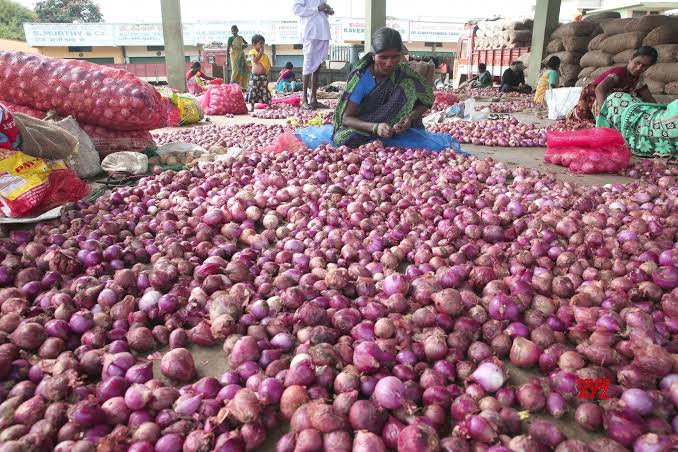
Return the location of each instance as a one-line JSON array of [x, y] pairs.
[[383, 96], [315, 25], [257, 90], [236, 51], [650, 129], [513, 79], [287, 82], [548, 79], [618, 79], [443, 69], [195, 79], [483, 79]]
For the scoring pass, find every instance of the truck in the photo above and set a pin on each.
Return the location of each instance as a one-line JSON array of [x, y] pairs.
[[468, 57]]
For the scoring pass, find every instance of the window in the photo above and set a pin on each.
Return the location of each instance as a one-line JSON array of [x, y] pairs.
[[155, 48], [298, 46], [80, 49], [433, 44]]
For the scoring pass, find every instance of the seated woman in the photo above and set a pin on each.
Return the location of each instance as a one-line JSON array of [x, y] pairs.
[[287, 82], [547, 80], [618, 79], [383, 97], [195, 79], [650, 129]]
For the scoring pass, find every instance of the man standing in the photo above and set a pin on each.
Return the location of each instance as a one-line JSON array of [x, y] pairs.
[[315, 28]]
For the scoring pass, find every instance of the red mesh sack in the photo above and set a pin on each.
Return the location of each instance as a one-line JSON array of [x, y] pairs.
[[588, 151], [285, 142], [64, 186], [445, 98], [28, 111], [172, 116], [91, 93], [223, 100], [108, 141]]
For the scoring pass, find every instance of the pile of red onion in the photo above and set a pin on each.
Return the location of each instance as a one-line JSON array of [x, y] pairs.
[[501, 132], [512, 106], [569, 125], [370, 299], [248, 136]]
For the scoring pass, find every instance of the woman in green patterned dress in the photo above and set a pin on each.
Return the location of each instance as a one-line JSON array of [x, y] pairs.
[[650, 130]]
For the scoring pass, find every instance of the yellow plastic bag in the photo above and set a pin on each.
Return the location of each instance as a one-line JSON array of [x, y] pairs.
[[30, 185], [189, 109]]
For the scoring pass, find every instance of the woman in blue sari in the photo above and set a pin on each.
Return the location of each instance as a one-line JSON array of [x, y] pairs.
[[383, 98]]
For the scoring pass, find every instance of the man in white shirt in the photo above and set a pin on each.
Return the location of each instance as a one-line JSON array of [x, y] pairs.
[[315, 29]]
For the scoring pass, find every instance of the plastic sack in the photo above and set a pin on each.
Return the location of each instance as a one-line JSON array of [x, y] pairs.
[[422, 139], [31, 185], [44, 139], [287, 141], [316, 136], [9, 132], [561, 101], [215, 81], [125, 162], [91, 93], [176, 153], [190, 111], [108, 141], [589, 151], [86, 162], [224, 100]]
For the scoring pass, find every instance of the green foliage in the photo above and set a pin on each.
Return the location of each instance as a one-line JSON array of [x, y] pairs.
[[68, 11], [12, 17]]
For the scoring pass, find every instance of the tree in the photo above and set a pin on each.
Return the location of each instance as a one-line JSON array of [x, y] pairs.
[[68, 11], [12, 18]]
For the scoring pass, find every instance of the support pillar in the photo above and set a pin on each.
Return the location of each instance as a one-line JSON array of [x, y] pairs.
[[172, 31], [546, 15], [375, 18]]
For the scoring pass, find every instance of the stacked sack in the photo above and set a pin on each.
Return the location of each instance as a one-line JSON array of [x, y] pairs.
[[621, 37], [503, 34], [114, 107], [569, 42]]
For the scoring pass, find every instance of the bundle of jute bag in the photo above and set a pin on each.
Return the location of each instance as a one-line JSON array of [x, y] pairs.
[[654, 86], [601, 17], [575, 29], [615, 26], [555, 46], [586, 72], [595, 42], [665, 34], [596, 58], [623, 56], [45, 140], [649, 22], [565, 57], [617, 43], [663, 72], [576, 43]]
